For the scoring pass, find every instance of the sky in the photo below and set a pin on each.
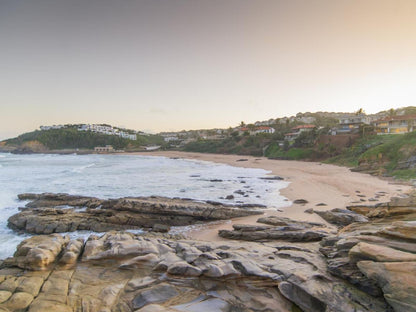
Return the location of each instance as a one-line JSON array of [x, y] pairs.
[[169, 65]]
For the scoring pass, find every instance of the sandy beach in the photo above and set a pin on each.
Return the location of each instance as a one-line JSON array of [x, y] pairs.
[[323, 186]]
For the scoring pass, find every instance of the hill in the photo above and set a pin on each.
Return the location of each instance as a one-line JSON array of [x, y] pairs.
[[70, 138], [386, 155]]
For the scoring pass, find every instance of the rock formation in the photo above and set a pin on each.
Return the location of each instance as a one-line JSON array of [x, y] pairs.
[[277, 228], [120, 271], [365, 266], [57, 213]]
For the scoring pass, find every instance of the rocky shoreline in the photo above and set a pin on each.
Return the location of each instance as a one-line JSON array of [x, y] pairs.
[[367, 265], [58, 213]]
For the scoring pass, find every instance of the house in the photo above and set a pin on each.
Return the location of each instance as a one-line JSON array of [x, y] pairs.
[[395, 124], [296, 131], [256, 130], [291, 136], [243, 130], [51, 127], [152, 148], [104, 149], [107, 130], [264, 129], [352, 123], [170, 138]]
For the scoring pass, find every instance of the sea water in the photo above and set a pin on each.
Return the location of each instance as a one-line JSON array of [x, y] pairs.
[[113, 176]]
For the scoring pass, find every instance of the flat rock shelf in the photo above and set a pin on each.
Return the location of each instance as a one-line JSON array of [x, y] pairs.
[[58, 213]]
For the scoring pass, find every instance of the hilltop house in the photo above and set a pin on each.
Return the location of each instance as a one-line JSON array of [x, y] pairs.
[[256, 130], [296, 131], [395, 124], [351, 124], [264, 129], [51, 127], [107, 130]]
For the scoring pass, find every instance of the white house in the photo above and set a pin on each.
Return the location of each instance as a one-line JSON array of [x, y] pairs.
[[107, 130], [104, 149], [264, 129]]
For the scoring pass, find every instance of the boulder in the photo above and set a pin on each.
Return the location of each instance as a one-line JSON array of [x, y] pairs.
[[303, 299], [117, 245], [140, 283], [4, 295], [265, 233], [341, 217], [282, 221], [397, 280], [19, 301], [49, 305], [366, 251], [72, 251], [401, 229], [156, 294], [183, 268], [300, 201], [30, 285], [38, 252]]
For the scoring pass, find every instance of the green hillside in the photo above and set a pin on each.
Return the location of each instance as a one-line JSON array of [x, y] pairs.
[[391, 155], [241, 145], [70, 138]]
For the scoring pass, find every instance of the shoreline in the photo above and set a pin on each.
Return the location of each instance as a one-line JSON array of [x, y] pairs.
[[323, 186]]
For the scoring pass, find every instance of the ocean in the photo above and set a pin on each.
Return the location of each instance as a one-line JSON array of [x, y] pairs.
[[113, 176]]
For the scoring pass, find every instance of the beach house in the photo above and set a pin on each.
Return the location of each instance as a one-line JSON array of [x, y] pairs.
[[104, 149], [395, 124]]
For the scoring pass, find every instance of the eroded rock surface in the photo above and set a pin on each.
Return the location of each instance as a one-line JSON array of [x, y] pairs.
[[366, 266], [379, 257], [121, 271], [277, 228], [341, 217], [58, 213]]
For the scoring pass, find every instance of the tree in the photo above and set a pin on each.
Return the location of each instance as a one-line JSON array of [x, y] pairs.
[[392, 112], [286, 145], [360, 112]]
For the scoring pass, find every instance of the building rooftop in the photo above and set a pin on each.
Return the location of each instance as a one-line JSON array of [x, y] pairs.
[[304, 127]]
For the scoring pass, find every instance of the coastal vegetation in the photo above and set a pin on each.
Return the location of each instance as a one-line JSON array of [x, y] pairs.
[[392, 155], [234, 144], [70, 137]]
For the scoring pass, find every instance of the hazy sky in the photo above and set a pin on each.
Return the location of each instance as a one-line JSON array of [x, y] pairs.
[[175, 64]]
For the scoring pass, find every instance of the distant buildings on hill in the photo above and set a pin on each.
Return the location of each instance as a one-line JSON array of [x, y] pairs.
[[97, 128], [256, 130], [108, 130], [51, 127], [386, 122]]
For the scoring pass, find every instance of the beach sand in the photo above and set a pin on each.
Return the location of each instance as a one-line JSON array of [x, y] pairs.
[[334, 186]]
